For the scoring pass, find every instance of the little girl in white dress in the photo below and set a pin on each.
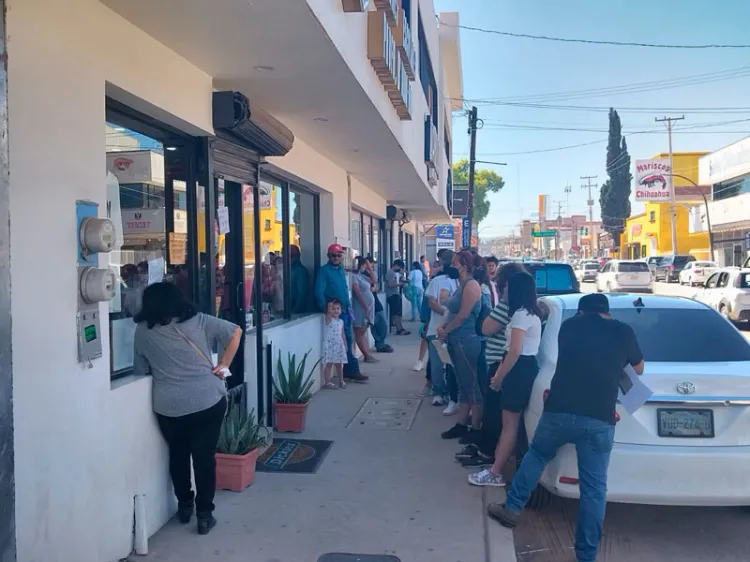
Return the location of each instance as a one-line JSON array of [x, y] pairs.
[[334, 345]]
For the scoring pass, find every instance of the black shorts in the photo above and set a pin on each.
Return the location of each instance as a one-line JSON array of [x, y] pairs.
[[517, 385], [395, 305]]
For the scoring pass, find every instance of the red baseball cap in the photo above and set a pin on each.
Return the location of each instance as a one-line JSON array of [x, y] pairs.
[[335, 249]]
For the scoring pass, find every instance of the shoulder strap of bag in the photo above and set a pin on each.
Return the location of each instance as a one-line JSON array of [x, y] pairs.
[[195, 347]]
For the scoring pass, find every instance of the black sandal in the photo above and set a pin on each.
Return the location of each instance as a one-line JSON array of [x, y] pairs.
[[403, 333]]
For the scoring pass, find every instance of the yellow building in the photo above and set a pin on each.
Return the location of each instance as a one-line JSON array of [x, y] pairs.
[[650, 233]]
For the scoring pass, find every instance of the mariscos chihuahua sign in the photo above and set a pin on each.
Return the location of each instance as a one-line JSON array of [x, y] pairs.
[[653, 180]]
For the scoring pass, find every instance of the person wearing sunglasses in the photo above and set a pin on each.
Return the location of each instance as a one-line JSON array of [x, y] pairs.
[[331, 284]]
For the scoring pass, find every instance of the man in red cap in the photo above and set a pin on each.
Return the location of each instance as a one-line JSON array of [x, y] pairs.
[[331, 284]]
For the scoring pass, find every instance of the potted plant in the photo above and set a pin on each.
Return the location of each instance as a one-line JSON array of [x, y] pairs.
[[237, 449], [292, 392]]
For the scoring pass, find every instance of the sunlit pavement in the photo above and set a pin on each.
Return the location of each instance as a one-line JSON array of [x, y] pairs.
[[673, 290]]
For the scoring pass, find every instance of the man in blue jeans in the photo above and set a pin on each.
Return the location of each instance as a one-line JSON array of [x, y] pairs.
[[580, 409]]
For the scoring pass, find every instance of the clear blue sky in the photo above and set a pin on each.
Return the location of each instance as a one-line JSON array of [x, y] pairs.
[[504, 67]]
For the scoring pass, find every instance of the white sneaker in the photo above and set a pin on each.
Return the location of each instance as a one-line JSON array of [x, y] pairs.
[[418, 366], [486, 478], [438, 401], [451, 409]]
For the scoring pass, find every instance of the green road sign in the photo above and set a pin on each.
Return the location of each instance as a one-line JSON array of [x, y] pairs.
[[543, 233]]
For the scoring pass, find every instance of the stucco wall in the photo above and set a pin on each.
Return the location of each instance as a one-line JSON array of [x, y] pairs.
[[83, 449]]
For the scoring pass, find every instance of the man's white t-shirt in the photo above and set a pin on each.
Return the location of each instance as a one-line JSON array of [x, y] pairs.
[[442, 282], [529, 323]]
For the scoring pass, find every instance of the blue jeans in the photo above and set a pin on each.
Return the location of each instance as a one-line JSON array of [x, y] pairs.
[[437, 369], [352, 365], [416, 302], [379, 329], [593, 440]]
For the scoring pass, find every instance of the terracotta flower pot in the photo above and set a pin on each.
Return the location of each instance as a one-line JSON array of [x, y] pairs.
[[235, 472], [290, 417]]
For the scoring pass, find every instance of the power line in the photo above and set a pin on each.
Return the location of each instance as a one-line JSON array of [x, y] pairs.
[[605, 109], [599, 42], [636, 87]]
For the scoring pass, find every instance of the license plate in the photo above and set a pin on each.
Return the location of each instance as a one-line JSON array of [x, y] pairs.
[[633, 277], [674, 422]]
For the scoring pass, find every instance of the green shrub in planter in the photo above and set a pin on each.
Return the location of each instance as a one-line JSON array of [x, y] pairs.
[[240, 433], [292, 385]]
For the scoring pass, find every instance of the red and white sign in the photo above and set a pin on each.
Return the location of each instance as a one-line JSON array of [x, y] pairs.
[[653, 180], [137, 166]]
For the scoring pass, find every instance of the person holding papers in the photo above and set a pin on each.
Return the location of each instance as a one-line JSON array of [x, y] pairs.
[[580, 409]]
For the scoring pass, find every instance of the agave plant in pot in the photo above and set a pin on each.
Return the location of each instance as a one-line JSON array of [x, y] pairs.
[[237, 449], [292, 392]]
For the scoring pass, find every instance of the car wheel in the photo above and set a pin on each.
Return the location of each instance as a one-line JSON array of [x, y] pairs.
[[724, 311], [540, 498]]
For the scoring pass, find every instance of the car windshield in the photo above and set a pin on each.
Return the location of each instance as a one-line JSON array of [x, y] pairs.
[[679, 260], [683, 334], [594, 266], [553, 278], [632, 267]]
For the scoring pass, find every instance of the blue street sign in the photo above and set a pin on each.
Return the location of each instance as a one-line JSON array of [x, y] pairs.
[[747, 240], [444, 231], [465, 233]]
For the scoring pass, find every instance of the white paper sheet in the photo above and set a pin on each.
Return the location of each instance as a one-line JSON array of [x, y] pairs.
[[223, 216], [638, 393], [155, 270], [442, 350]]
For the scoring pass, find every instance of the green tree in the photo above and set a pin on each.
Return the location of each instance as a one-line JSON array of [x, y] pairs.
[[614, 197], [485, 181]]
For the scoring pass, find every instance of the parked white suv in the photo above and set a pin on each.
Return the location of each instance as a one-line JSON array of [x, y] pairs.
[[628, 276], [728, 291], [697, 272]]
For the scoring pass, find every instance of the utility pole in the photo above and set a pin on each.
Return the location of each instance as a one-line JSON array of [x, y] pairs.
[[558, 253], [573, 239], [672, 205], [472, 163], [590, 203]]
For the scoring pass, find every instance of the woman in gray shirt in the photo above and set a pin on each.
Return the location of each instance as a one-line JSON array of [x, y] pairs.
[[173, 343]]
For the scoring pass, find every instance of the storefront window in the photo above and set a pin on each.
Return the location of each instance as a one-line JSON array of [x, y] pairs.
[[303, 250], [271, 244], [356, 233], [137, 206]]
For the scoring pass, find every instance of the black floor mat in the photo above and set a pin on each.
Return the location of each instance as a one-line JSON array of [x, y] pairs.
[[293, 456]]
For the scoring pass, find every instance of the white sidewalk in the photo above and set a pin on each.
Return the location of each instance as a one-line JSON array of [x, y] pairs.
[[378, 491]]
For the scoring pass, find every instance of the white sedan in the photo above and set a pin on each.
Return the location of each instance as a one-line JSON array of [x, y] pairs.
[[696, 272], [689, 444]]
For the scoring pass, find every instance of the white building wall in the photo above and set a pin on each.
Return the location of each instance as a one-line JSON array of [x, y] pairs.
[[83, 449], [348, 32]]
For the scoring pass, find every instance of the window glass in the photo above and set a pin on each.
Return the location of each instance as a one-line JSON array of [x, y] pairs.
[[136, 204], [633, 267], [356, 233], [683, 335], [723, 278], [366, 240], [553, 278], [745, 280], [248, 249], [591, 266], [303, 238], [271, 242], [711, 283]]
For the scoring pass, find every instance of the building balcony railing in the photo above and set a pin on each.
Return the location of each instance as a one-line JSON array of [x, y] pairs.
[[353, 5], [405, 46], [401, 96], [381, 49], [390, 9]]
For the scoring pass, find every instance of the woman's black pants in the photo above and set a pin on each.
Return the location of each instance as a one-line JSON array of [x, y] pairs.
[[194, 436]]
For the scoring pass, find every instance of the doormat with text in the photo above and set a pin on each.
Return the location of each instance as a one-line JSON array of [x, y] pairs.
[[293, 456]]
